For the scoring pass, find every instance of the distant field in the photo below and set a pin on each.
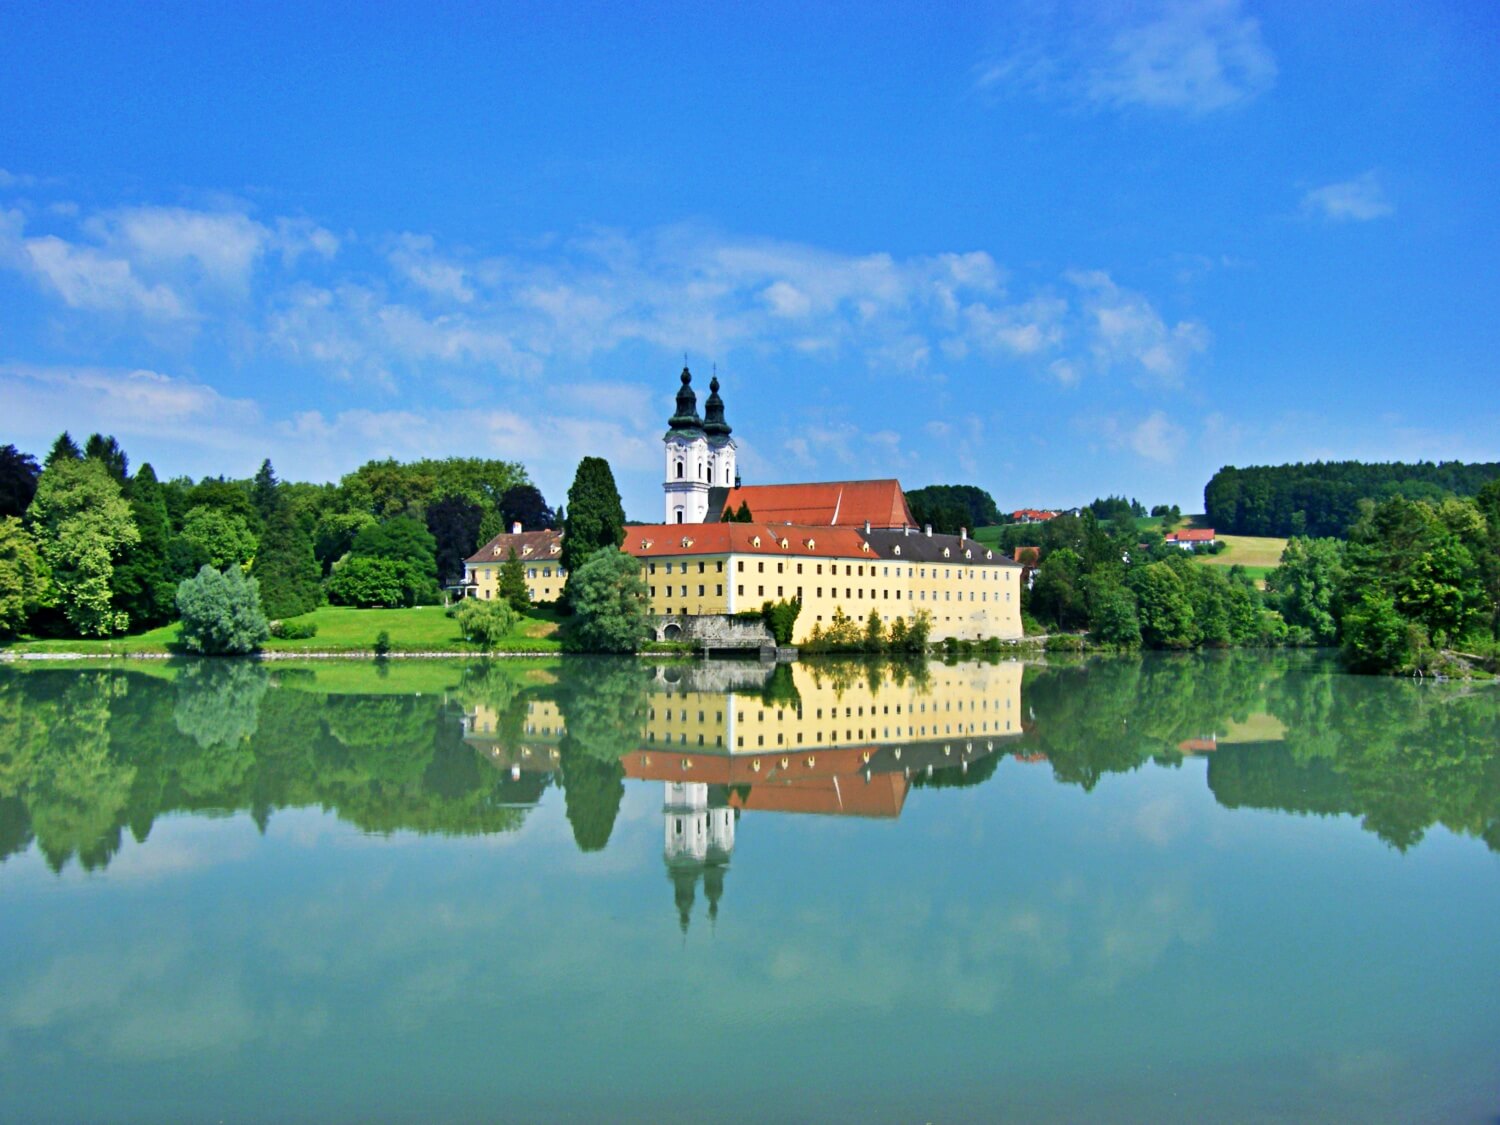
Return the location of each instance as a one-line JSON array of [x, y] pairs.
[[340, 629], [1247, 551]]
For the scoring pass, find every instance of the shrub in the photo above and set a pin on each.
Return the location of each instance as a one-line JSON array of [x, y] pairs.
[[295, 629], [485, 622], [382, 643], [374, 582], [221, 612]]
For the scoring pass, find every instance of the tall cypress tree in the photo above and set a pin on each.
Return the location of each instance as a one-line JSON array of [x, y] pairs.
[[285, 567], [144, 586], [596, 518]]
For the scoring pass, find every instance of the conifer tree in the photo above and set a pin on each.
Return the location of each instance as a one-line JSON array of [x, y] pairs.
[[596, 518], [263, 491], [513, 582], [107, 451], [63, 449], [285, 567], [144, 586]]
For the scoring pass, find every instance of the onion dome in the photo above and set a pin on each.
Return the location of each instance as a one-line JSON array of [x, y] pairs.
[[713, 412], [686, 418]]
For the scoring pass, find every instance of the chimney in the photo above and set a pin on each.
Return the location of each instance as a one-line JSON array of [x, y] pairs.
[[867, 527], [963, 533], [927, 530], [515, 528]]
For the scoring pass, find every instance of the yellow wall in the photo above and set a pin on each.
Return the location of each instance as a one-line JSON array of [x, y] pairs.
[[966, 600], [839, 707], [544, 578]]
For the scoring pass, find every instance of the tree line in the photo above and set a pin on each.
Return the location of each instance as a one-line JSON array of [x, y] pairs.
[[89, 548], [1321, 498], [1415, 583]]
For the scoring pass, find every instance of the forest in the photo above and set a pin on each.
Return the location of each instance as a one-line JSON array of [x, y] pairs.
[[1321, 498]]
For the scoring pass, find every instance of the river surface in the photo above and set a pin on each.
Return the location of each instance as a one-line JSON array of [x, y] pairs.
[[1226, 887]]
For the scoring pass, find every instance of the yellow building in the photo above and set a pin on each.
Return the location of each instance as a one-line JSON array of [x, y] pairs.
[[540, 555], [968, 590]]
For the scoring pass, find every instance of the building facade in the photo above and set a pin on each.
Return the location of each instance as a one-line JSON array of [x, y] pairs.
[[841, 548]]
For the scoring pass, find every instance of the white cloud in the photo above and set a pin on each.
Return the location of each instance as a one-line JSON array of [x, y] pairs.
[[1196, 56], [1125, 328], [87, 279], [223, 246], [1156, 438], [1358, 200], [130, 403]]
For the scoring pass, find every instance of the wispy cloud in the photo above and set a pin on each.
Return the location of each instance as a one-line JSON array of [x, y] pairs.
[[1358, 200], [1196, 57], [1127, 330]]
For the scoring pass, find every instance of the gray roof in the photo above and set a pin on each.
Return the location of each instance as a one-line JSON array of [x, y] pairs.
[[918, 546]]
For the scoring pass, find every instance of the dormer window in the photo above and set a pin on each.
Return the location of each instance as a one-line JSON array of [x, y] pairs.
[[686, 542], [556, 547], [646, 544], [526, 550], [968, 554], [755, 541], [897, 548], [812, 544], [989, 554], [784, 544], [945, 552]]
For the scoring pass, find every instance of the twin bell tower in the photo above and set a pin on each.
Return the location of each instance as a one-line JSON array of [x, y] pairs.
[[699, 456]]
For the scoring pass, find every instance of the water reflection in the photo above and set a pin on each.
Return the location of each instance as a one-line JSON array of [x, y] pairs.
[[87, 756]]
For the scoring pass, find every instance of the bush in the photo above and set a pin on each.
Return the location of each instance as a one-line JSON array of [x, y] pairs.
[[485, 622], [370, 583], [221, 612], [1064, 642], [295, 629], [382, 643]]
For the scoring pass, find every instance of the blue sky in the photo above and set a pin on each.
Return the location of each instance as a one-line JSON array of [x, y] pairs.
[[1057, 251]]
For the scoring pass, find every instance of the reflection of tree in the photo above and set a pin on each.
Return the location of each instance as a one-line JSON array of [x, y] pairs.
[[219, 707], [87, 755], [1403, 756], [592, 790], [604, 704], [59, 761]]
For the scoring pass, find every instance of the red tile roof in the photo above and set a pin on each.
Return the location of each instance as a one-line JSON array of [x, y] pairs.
[[660, 540], [540, 544], [1032, 514], [840, 503], [1191, 535]]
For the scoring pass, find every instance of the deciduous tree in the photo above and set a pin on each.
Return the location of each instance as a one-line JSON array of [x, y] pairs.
[[83, 526]]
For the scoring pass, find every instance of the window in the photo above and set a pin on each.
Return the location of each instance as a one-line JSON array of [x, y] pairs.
[[719, 566], [679, 515], [760, 568], [651, 568], [702, 567], [799, 568], [719, 590], [779, 567], [740, 590], [741, 566], [778, 591], [700, 591], [546, 572], [679, 477]]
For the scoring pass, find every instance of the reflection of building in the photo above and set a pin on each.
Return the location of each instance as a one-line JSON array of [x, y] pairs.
[[698, 841], [845, 739]]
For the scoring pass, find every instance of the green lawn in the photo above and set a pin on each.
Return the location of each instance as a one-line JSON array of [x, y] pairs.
[[340, 629]]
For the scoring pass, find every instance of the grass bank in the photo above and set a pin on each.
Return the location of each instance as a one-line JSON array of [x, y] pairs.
[[340, 630]]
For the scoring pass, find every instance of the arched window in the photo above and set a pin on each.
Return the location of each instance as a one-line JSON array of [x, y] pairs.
[[679, 470], [679, 515]]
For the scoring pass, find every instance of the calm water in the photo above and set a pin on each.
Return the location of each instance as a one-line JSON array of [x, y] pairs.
[[1239, 887]]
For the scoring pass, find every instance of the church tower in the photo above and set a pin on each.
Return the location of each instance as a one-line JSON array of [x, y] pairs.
[[688, 458], [722, 471]]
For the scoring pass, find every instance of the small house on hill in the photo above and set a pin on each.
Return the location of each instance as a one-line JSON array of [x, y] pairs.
[[1191, 539]]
